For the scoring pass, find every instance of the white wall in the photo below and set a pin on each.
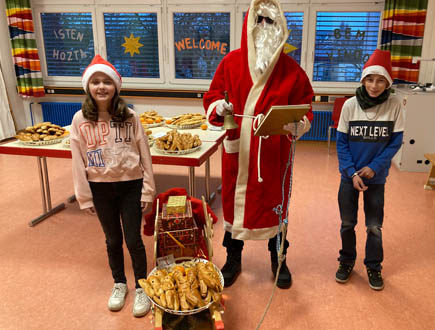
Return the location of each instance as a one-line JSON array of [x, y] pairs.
[[167, 107]]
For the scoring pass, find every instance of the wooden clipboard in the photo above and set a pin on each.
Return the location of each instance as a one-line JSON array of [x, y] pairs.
[[278, 116]]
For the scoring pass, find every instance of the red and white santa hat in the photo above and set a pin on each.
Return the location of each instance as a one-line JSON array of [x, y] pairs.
[[379, 63], [99, 64]]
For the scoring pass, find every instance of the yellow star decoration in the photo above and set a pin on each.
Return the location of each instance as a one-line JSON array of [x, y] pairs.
[[287, 47], [131, 45]]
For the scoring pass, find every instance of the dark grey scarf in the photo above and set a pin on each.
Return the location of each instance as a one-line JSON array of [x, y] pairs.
[[366, 102]]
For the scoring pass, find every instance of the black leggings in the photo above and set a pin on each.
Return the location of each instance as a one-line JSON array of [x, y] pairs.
[[118, 203]]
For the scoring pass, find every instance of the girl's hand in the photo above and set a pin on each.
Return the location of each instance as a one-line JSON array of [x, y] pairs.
[[91, 210], [366, 172], [144, 206]]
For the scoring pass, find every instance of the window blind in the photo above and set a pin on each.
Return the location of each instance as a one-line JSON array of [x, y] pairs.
[[201, 40], [344, 42], [68, 42], [132, 43]]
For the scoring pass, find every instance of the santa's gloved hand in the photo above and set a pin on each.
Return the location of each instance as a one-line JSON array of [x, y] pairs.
[[222, 107], [298, 129]]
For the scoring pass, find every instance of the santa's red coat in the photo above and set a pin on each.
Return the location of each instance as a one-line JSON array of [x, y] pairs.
[[248, 204]]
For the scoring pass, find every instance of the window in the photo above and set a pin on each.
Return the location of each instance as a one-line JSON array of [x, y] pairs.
[[133, 44], [344, 41], [178, 44], [68, 42], [295, 24], [201, 40]]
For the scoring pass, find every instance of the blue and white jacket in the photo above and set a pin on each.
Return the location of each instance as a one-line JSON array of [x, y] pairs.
[[369, 137]]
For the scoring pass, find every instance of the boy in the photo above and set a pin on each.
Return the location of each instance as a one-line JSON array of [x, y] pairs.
[[369, 133]]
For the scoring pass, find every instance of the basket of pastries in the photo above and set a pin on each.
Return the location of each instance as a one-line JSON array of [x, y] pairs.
[[42, 134], [184, 288], [151, 119], [177, 143], [186, 121]]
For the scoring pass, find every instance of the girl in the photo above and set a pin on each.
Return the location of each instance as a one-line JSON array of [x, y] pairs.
[[112, 174]]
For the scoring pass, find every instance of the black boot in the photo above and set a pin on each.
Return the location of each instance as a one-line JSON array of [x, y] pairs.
[[284, 276], [232, 267]]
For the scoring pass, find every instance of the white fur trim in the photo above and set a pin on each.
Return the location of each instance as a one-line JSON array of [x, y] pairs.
[[104, 69], [231, 146], [250, 234], [377, 69]]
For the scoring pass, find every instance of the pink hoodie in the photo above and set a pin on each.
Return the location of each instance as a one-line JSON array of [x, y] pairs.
[[109, 151]]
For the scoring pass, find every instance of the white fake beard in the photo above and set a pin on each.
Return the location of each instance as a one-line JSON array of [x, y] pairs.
[[267, 39]]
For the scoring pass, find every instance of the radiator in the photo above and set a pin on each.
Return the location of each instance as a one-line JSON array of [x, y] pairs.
[[319, 127], [59, 113]]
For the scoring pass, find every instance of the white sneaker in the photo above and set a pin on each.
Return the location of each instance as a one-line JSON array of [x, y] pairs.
[[117, 298], [141, 304]]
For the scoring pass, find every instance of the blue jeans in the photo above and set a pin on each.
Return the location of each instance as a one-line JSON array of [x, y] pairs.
[[116, 204], [374, 214]]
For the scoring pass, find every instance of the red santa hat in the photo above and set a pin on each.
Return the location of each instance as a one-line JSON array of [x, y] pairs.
[[379, 63], [99, 64]]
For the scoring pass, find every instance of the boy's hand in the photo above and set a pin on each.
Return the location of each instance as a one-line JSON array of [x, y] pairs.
[[358, 183], [366, 172]]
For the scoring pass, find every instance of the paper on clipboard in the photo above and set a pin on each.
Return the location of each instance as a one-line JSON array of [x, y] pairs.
[[278, 116]]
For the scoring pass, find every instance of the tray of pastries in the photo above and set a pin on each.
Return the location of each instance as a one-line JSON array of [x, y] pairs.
[[184, 288], [177, 143], [186, 121], [67, 143], [151, 119], [149, 133], [42, 134]]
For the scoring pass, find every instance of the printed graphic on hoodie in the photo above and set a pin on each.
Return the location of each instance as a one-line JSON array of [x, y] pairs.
[[96, 136], [370, 131]]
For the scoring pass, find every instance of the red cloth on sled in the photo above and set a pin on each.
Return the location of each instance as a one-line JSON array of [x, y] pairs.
[[197, 209]]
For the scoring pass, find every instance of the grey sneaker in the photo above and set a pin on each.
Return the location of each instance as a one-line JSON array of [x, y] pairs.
[[343, 273], [117, 298], [375, 279], [141, 304]]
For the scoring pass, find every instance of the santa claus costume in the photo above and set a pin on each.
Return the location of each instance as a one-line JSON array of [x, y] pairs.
[[252, 171]]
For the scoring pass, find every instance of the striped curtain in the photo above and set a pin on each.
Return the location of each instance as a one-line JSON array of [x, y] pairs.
[[402, 34], [24, 51]]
